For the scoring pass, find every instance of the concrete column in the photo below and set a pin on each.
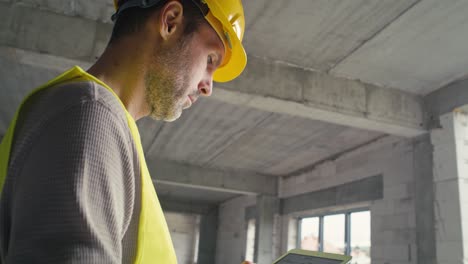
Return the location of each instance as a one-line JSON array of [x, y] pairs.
[[424, 200], [451, 188], [267, 207], [208, 237]]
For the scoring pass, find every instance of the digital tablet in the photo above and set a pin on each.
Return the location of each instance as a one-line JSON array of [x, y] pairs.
[[299, 256]]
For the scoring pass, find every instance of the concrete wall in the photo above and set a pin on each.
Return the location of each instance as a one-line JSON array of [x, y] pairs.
[[451, 185], [232, 231], [393, 231], [398, 235], [184, 230]]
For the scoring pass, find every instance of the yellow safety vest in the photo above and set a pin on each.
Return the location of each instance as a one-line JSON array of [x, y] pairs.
[[154, 240]]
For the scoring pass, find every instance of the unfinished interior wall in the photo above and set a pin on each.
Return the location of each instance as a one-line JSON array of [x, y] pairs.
[[184, 233], [399, 230], [393, 218], [450, 142], [232, 231]]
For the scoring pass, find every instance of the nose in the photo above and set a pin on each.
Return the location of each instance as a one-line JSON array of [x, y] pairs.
[[205, 87]]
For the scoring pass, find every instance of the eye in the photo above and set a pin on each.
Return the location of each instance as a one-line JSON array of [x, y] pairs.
[[210, 60]]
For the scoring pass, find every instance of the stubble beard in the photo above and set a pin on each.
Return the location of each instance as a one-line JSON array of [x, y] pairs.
[[166, 83]]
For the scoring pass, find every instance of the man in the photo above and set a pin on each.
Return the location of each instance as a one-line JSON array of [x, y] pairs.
[[73, 179]]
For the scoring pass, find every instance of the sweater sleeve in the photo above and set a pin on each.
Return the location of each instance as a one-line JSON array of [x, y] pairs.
[[74, 195]]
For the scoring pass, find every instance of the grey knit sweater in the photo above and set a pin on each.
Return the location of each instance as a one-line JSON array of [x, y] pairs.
[[72, 193]]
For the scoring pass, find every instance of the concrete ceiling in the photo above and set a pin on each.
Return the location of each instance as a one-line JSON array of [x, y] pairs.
[[315, 34], [420, 52], [324, 77], [219, 135], [413, 45]]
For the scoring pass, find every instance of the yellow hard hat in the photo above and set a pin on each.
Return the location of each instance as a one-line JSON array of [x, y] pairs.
[[227, 19]]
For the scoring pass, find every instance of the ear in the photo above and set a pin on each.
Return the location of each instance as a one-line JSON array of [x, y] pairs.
[[171, 19]]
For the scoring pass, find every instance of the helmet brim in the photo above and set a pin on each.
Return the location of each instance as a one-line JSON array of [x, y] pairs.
[[236, 55], [236, 64]]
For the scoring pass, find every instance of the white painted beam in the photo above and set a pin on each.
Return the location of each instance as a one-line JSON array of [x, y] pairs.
[[179, 174]]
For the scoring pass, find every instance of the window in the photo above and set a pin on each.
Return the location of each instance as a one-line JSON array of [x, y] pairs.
[[342, 233], [334, 234], [310, 233], [250, 245], [360, 237]]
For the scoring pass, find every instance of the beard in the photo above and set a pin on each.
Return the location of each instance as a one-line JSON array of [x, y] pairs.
[[167, 82]]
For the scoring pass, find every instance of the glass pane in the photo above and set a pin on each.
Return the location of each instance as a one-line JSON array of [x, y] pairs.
[[250, 245], [334, 234], [310, 233], [360, 237]]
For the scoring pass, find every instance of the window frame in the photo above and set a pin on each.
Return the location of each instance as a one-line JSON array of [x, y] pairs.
[[321, 216]]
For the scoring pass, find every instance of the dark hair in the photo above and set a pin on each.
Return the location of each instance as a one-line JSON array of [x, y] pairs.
[[133, 19]]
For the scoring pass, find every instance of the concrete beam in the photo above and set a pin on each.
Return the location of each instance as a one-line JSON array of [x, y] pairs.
[[368, 189], [445, 100], [188, 207], [265, 85], [281, 88], [45, 31], [41, 60], [179, 174]]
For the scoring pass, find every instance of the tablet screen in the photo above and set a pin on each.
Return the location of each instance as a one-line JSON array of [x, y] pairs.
[[301, 259]]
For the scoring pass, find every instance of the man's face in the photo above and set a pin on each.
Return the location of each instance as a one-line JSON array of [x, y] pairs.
[[183, 72]]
